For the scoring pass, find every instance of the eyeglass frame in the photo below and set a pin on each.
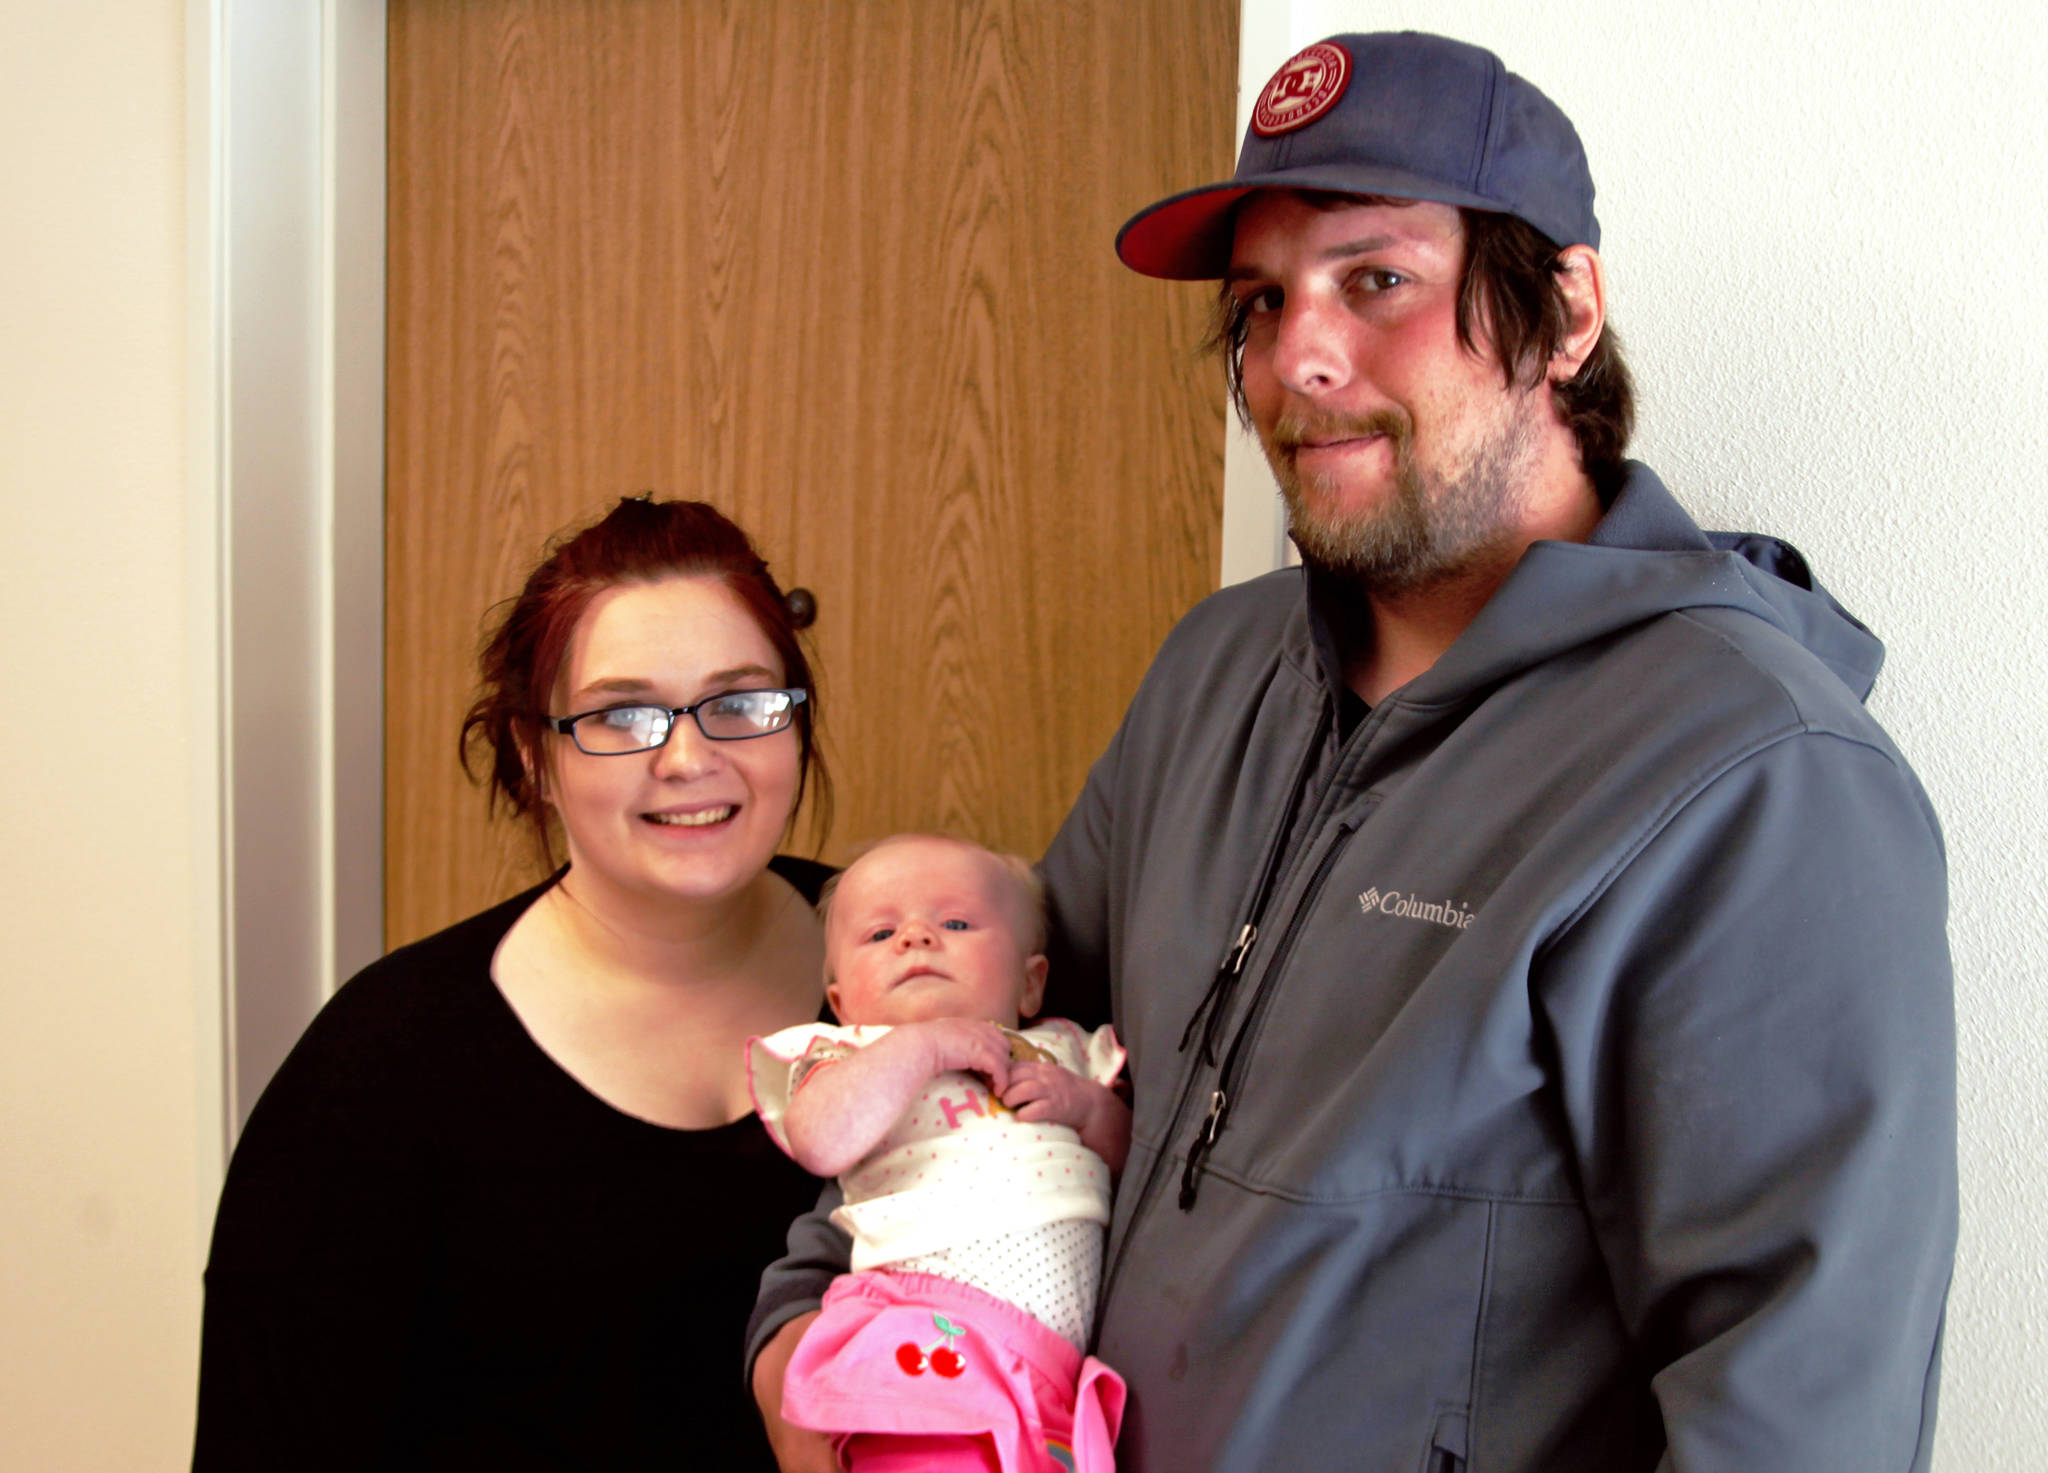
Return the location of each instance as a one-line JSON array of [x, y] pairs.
[[566, 725]]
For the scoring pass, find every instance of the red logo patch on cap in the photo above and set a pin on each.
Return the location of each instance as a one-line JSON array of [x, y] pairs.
[[1303, 90]]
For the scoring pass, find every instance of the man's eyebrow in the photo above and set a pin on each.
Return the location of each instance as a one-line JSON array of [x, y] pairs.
[[1342, 250]]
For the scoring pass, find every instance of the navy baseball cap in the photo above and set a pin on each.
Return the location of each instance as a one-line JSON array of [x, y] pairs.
[[1403, 114]]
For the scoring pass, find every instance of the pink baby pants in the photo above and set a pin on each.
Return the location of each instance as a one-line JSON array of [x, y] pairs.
[[895, 1358]]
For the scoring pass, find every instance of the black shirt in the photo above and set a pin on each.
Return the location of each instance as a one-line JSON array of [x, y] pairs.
[[436, 1249]]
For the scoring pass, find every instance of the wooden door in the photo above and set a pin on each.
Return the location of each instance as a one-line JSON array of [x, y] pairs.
[[844, 269]]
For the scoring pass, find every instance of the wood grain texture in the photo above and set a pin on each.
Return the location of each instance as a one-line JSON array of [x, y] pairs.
[[845, 270]]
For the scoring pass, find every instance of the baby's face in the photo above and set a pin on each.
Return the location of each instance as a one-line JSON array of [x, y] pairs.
[[925, 928]]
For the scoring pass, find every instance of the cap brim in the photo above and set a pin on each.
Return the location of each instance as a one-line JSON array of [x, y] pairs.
[[1188, 236]]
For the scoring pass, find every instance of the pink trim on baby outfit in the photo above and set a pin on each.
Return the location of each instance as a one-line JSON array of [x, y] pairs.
[[914, 1355]]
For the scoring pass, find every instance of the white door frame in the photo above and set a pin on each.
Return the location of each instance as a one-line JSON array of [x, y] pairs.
[[1254, 522], [285, 201]]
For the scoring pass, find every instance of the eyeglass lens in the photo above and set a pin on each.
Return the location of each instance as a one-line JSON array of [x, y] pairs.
[[729, 717]]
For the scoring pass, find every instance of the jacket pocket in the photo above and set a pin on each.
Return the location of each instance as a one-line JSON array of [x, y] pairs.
[[1447, 1443]]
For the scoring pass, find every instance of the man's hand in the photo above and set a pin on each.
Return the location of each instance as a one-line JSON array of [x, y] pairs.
[[797, 1449]]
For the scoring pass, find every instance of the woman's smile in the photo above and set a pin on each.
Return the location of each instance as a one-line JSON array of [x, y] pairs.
[[720, 808]]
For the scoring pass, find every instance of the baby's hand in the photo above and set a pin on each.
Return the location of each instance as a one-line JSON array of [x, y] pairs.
[[1050, 1093], [967, 1044], [1047, 1092]]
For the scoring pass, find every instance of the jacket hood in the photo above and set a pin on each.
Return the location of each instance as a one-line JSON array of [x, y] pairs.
[[1646, 558]]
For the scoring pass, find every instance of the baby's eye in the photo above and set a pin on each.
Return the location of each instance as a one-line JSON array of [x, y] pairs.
[[956, 925], [880, 933]]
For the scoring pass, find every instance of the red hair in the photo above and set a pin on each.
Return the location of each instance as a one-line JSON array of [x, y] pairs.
[[640, 540]]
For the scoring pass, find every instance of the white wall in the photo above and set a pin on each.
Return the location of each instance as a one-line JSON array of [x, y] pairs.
[[1822, 222], [106, 1067]]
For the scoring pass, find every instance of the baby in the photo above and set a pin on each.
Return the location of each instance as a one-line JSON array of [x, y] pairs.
[[975, 1160]]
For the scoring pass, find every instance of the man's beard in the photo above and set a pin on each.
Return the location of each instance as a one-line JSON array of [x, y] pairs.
[[1432, 526]]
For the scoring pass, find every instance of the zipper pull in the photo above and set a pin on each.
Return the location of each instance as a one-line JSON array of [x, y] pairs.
[[1211, 1007], [1234, 963], [1219, 1106]]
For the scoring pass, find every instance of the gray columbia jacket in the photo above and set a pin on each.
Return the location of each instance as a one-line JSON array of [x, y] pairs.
[[1553, 1071]]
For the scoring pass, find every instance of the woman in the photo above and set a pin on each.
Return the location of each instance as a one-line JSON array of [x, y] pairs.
[[506, 1203]]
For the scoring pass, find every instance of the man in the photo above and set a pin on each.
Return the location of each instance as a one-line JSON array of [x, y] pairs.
[[1531, 955]]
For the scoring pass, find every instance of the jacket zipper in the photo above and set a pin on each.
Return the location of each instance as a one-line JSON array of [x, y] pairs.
[[1236, 1061], [1216, 1000], [1233, 963]]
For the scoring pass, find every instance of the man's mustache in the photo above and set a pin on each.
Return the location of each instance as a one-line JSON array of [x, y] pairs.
[[1297, 428]]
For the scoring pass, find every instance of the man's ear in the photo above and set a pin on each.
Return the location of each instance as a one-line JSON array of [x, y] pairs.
[[1035, 966], [1583, 281]]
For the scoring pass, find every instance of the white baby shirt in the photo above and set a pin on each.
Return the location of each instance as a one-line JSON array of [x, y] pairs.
[[957, 1167]]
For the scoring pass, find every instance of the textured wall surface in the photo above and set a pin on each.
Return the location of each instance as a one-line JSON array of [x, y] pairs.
[[101, 1145], [1822, 225]]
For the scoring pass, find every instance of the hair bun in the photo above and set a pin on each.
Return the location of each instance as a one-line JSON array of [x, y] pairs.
[[803, 607]]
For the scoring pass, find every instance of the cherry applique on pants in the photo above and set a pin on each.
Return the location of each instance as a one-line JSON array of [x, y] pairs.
[[940, 1355]]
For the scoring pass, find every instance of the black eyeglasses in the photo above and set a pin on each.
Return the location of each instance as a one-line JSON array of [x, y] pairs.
[[730, 716]]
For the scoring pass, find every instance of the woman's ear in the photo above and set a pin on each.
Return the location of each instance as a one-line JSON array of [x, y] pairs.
[[536, 767], [1583, 281]]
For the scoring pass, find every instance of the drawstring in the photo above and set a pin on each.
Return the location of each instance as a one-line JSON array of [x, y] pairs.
[[1215, 1002]]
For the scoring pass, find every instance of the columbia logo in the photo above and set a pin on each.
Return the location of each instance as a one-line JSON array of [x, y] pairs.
[[1415, 908]]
